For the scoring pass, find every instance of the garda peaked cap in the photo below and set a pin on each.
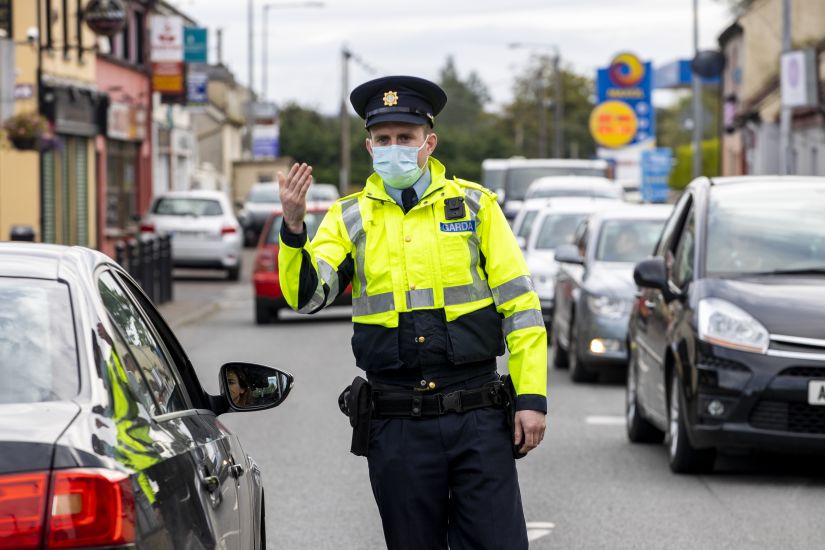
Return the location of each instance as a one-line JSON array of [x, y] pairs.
[[398, 99]]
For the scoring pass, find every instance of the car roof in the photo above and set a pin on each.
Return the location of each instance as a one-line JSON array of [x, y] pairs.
[[44, 261], [566, 163], [193, 194], [635, 212], [550, 182], [575, 205]]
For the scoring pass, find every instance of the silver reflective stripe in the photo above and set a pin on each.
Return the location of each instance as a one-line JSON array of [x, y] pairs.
[[473, 199], [316, 301], [522, 319], [421, 297], [464, 294], [367, 305], [351, 214], [330, 276], [512, 289]]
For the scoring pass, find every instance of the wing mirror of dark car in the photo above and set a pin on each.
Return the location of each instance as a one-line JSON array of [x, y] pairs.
[[251, 387], [568, 254], [652, 273]]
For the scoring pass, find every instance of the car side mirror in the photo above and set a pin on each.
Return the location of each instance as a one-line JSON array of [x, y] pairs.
[[568, 254], [251, 387], [652, 273]]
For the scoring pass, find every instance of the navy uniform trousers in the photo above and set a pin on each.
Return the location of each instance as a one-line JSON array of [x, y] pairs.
[[447, 479]]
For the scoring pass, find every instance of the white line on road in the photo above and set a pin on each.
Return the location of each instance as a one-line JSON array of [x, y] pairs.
[[538, 529], [605, 420]]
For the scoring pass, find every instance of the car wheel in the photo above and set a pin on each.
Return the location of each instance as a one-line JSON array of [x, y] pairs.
[[639, 429], [559, 355], [264, 314], [684, 458], [234, 273], [578, 370]]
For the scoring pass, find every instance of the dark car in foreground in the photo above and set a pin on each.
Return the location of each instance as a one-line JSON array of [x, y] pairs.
[[107, 438], [727, 335], [594, 288], [266, 281]]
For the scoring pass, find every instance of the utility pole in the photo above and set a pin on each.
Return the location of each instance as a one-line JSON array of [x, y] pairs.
[[220, 46], [264, 53], [542, 103], [250, 29], [343, 180], [785, 153], [558, 106], [696, 86]]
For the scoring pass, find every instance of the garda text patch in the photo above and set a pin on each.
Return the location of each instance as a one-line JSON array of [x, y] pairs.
[[468, 226]]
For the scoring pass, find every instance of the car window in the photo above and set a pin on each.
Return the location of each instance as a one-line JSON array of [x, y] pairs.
[[527, 223], [312, 219], [127, 381], [38, 351], [581, 236], [143, 346], [672, 223], [175, 206], [683, 263], [263, 194], [627, 240], [557, 229]]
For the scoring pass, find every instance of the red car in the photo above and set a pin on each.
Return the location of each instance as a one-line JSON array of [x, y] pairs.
[[268, 296]]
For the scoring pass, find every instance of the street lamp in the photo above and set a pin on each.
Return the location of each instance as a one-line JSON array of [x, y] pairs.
[[558, 100], [265, 36]]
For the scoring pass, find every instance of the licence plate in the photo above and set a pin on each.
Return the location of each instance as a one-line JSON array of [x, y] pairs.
[[816, 392]]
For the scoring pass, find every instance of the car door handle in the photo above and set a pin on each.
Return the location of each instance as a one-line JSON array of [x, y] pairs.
[[236, 471]]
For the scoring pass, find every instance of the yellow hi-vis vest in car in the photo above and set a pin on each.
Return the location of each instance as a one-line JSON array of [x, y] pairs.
[[454, 251]]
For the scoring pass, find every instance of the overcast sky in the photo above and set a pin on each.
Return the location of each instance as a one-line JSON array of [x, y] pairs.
[[416, 36]]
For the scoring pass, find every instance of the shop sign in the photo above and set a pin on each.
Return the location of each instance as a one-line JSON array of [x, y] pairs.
[[197, 84], [126, 122], [105, 17], [624, 115], [195, 44], [166, 38], [168, 77]]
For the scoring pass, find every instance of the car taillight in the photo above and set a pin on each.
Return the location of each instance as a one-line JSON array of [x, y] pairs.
[[147, 228], [90, 507], [228, 230], [267, 260], [22, 509]]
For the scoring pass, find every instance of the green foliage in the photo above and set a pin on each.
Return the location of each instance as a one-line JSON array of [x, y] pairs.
[[682, 173], [671, 130]]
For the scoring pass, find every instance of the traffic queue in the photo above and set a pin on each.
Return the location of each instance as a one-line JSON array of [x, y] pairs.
[[708, 308]]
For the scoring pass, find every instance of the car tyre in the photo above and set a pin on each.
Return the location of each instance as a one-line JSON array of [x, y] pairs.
[[234, 273], [578, 370], [639, 429], [264, 314], [559, 355], [684, 458]]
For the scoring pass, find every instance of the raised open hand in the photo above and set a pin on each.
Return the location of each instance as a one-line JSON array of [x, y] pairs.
[[293, 191]]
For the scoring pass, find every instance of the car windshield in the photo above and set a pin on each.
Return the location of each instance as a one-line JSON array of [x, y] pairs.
[[312, 219], [627, 240], [575, 191], [558, 229], [268, 194], [38, 354], [493, 178], [178, 206], [527, 223], [520, 178], [761, 227]]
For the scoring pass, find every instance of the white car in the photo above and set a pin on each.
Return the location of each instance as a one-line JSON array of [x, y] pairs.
[[556, 225], [205, 233], [574, 186]]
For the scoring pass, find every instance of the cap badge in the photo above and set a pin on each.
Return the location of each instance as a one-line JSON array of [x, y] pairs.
[[390, 99]]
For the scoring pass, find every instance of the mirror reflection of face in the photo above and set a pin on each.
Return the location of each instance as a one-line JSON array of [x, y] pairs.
[[235, 389]]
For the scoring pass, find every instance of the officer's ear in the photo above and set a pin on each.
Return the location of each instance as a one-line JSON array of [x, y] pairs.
[[432, 141], [368, 145]]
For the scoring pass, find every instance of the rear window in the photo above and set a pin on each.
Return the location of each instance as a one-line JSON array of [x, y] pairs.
[[592, 192], [312, 219], [38, 352], [558, 229], [263, 195], [177, 206]]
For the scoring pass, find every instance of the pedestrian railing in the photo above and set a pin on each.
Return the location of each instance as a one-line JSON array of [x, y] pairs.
[[148, 260]]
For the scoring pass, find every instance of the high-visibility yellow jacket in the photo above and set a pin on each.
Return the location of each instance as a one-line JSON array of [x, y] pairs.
[[445, 283]]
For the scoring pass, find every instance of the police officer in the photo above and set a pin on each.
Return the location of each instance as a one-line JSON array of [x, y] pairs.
[[439, 286]]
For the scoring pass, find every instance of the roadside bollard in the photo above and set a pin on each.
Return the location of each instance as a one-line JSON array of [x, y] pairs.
[[156, 269], [22, 233], [147, 279], [166, 267], [133, 258], [120, 254]]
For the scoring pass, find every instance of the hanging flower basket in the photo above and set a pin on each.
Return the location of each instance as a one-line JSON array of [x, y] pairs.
[[25, 130]]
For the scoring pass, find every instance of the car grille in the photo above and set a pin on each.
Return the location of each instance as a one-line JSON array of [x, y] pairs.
[[788, 417], [722, 364], [804, 372]]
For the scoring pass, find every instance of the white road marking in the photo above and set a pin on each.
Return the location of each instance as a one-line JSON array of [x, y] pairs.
[[605, 420], [538, 529]]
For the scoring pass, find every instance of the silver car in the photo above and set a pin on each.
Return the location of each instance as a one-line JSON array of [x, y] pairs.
[[594, 288], [205, 233]]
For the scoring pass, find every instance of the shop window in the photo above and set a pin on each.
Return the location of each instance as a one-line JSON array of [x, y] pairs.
[[6, 19], [121, 184]]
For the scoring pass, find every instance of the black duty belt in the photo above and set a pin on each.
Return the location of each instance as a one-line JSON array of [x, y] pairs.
[[399, 405]]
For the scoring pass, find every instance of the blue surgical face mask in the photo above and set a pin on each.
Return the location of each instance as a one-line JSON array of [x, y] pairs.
[[397, 164]]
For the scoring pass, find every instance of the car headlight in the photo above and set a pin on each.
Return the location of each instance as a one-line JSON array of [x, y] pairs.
[[723, 324], [608, 306]]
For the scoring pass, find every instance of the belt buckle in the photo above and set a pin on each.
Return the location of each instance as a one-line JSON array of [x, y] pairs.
[[449, 402]]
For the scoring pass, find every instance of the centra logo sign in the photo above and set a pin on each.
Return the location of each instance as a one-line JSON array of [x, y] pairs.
[[459, 227]]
